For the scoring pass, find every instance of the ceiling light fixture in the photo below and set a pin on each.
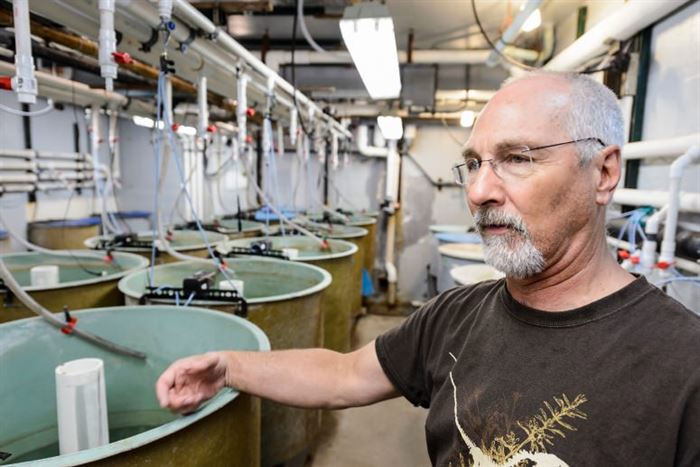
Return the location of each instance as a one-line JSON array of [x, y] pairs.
[[368, 33], [391, 127]]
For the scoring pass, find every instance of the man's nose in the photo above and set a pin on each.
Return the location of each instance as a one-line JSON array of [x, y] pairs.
[[486, 187]]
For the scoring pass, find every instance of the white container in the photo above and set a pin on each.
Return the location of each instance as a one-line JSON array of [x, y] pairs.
[[473, 273], [291, 253], [44, 276], [82, 405], [453, 255], [233, 284]]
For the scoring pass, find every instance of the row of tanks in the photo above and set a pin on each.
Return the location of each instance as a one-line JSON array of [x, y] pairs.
[[263, 291]]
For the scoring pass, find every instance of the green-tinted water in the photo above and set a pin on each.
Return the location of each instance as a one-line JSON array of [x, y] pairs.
[[115, 434]]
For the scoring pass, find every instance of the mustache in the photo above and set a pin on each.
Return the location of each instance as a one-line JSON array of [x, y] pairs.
[[486, 217]]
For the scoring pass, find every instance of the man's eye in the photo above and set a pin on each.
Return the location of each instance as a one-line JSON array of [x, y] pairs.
[[517, 159]]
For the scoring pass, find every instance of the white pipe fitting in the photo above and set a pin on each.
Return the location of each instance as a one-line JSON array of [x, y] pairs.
[[108, 44], [647, 259], [512, 32], [165, 10], [24, 83], [668, 246], [363, 147]]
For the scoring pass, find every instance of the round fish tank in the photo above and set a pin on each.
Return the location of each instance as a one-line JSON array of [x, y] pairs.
[[339, 260], [354, 235], [224, 431], [5, 243], [86, 279], [453, 255], [369, 247], [474, 273], [448, 228], [230, 228], [283, 299], [187, 242], [457, 237], [63, 234]]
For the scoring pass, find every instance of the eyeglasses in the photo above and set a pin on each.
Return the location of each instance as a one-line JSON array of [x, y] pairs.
[[509, 164]]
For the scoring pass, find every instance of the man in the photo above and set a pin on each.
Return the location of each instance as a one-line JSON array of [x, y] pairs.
[[570, 360]]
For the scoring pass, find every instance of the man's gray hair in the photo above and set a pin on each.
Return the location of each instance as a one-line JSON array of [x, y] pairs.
[[593, 111]]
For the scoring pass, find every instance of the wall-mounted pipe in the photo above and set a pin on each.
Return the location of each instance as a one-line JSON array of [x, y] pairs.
[[621, 24], [668, 246], [660, 148], [688, 202], [194, 17], [363, 146], [24, 83]]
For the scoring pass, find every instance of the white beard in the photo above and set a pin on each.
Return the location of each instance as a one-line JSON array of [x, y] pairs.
[[513, 254]]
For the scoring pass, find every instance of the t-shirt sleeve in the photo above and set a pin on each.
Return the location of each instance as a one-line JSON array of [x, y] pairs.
[[402, 353], [688, 445]]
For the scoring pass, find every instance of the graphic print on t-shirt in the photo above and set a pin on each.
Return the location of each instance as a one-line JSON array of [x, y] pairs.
[[529, 446]]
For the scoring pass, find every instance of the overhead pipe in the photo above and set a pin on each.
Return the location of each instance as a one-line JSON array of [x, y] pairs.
[[276, 58], [24, 83], [660, 148], [621, 24], [688, 202], [513, 30], [194, 17], [363, 146], [668, 246]]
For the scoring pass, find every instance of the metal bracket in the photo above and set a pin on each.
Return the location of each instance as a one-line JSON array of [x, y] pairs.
[[216, 295], [7, 301], [124, 241], [153, 40], [184, 45], [237, 251]]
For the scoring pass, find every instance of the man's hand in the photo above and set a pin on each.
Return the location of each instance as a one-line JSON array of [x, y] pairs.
[[190, 381]]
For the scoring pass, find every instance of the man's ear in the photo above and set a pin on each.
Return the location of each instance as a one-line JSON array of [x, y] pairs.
[[608, 169]]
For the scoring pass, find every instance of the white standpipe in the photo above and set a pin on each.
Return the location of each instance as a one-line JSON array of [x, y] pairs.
[[647, 259], [165, 10], [242, 108], [668, 246], [81, 403], [293, 122], [393, 167], [202, 109], [108, 44], [24, 82]]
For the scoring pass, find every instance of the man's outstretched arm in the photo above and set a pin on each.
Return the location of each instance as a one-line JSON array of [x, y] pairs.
[[312, 378]]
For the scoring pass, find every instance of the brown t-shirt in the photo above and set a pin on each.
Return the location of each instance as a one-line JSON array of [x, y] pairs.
[[613, 383]]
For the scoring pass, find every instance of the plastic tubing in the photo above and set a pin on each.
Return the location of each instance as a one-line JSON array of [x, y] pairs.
[[35, 307]]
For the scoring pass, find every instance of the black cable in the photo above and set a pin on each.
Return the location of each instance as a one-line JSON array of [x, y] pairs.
[[294, 77], [493, 46]]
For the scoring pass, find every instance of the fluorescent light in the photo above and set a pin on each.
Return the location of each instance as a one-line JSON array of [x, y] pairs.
[[391, 127], [533, 21], [368, 33], [466, 119]]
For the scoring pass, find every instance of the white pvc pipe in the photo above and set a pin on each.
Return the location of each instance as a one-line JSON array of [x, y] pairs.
[[363, 147], [658, 148], [202, 109], [81, 405], [108, 44], [668, 246], [195, 17], [242, 108], [621, 24], [513, 30], [648, 254], [24, 83], [689, 202]]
